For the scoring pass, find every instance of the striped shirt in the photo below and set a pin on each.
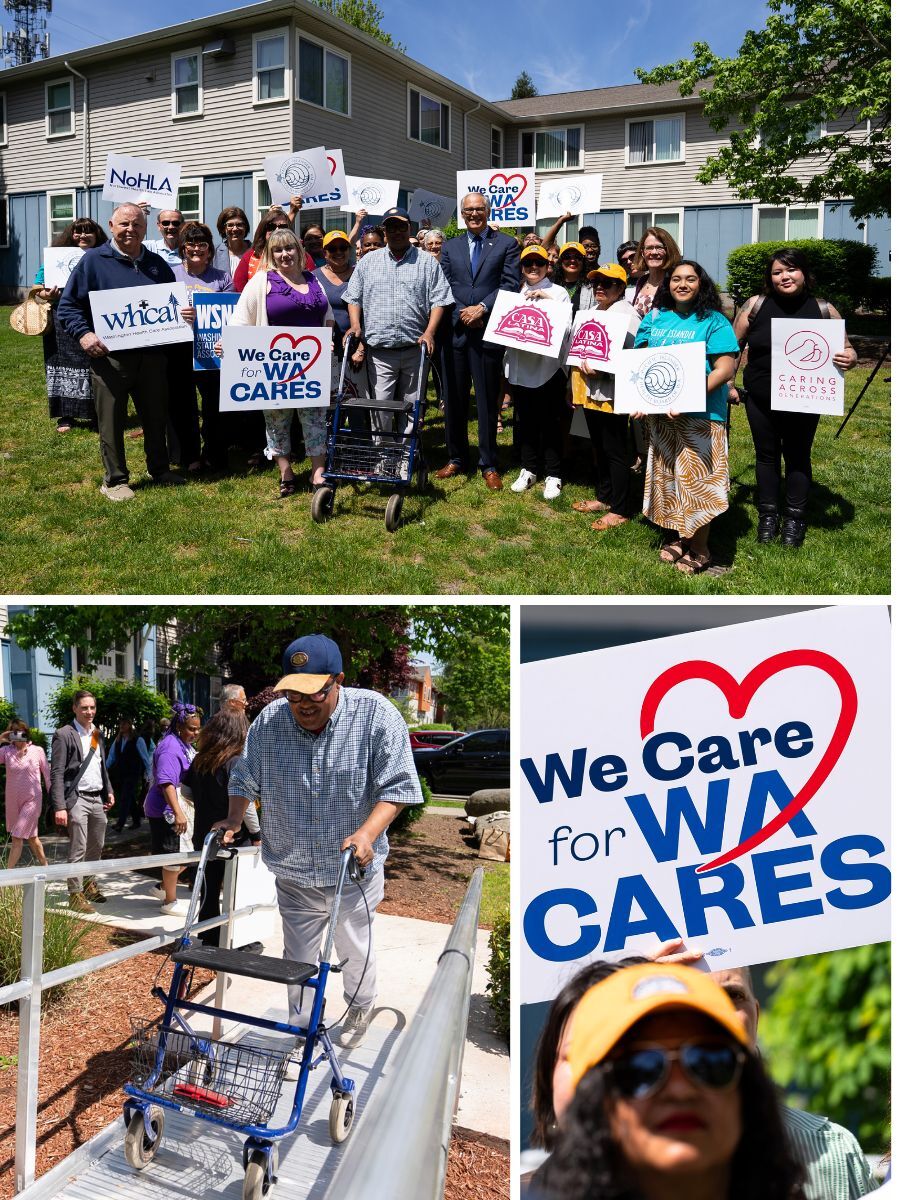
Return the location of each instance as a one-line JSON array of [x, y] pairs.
[[316, 789], [397, 297], [836, 1168]]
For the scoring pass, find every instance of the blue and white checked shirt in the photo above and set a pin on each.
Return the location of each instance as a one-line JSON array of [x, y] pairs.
[[317, 789], [397, 297]]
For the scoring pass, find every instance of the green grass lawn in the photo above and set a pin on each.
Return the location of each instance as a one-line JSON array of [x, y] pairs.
[[234, 536], [494, 893]]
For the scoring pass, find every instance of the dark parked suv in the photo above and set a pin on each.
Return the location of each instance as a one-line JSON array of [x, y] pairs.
[[475, 760]]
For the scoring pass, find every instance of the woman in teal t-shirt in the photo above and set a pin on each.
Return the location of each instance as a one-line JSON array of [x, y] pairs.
[[686, 484]]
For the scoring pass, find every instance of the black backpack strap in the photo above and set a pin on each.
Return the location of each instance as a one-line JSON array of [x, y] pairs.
[[751, 317]]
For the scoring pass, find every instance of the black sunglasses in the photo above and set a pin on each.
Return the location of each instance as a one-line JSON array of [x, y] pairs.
[[644, 1070]]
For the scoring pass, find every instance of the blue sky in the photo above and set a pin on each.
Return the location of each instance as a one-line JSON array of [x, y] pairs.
[[563, 46]]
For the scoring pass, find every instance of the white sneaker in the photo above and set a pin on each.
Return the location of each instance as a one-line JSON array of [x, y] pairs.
[[158, 893], [175, 908], [355, 1025], [552, 487], [292, 1067], [524, 482], [117, 491]]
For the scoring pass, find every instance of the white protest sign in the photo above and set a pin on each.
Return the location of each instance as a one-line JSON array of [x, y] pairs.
[[374, 195], [132, 179], [596, 338], [804, 379], [730, 788], [59, 263], [569, 193], [125, 318], [510, 194], [430, 206], [661, 379], [537, 326], [305, 173], [267, 367]]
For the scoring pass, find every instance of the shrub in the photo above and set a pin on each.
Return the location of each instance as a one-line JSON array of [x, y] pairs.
[[842, 269], [878, 296], [7, 712], [63, 939], [116, 699], [410, 813], [498, 975]]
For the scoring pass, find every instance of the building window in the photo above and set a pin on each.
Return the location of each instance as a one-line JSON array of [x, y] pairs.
[[552, 149], [187, 84], [263, 195], [429, 120], [496, 146], [190, 199], [60, 212], [323, 76], [655, 141], [786, 223], [269, 67], [60, 116], [3, 132], [668, 219]]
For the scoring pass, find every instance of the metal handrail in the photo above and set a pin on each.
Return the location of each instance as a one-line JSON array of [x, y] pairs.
[[33, 981], [401, 1147]]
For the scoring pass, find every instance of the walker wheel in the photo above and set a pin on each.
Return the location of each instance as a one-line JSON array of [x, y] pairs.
[[256, 1182], [392, 512], [139, 1149], [340, 1118], [322, 504]]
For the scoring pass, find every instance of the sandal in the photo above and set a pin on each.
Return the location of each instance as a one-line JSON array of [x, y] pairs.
[[590, 506], [609, 522], [64, 428], [673, 552], [287, 487], [693, 563]]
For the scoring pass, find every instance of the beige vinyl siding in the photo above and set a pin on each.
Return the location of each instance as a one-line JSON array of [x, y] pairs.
[[30, 161]]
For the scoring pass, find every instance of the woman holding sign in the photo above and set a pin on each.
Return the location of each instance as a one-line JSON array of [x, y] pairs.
[[686, 484], [787, 292]]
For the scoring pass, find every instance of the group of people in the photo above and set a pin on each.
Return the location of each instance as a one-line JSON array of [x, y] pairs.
[[386, 293]]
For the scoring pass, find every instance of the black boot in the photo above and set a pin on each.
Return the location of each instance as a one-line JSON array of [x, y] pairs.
[[793, 530], [767, 527]]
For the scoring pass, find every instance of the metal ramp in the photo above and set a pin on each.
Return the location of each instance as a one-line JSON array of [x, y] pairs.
[[200, 1161]]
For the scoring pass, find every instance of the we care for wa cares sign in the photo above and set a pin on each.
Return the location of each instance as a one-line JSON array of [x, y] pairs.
[[729, 787]]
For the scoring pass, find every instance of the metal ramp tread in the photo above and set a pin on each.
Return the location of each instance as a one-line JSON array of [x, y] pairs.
[[200, 1161]]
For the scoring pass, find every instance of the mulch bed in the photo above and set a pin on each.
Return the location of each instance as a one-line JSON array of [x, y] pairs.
[[429, 868], [478, 1167]]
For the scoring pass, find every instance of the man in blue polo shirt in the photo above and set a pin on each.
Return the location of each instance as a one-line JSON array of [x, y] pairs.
[[331, 767]]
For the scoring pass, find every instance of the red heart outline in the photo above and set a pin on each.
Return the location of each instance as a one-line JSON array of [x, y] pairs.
[[507, 179], [295, 343], [739, 696], [333, 162]]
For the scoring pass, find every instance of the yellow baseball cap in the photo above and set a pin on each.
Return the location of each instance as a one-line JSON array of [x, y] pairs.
[[531, 251], [576, 246], [334, 236], [611, 270], [609, 1009]]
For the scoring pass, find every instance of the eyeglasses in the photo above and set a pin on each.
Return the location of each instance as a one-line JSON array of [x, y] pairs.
[[168, 224], [339, 248], [642, 1072], [277, 225], [473, 212], [197, 242], [315, 697]]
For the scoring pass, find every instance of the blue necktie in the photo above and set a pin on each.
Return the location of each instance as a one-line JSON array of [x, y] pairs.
[[477, 246]]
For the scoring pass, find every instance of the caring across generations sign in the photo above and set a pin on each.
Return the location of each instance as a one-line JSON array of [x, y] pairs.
[[661, 379], [430, 206], [145, 179], [804, 378], [212, 313], [59, 263], [266, 367], [730, 788], [510, 194], [315, 174], [570, 193], [520, 323], [374, 195], [126, 318], [596, 338]]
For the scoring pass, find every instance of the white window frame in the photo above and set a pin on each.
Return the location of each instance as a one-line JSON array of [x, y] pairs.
[[264, 35], [4, 226], [4, 126], [820, 226], [663, 208], [70, 132], [327, 48], [50, 218], [448, 149], [191, 52], [258, 209], [496, 129], [654, 162], [197, 183], [536, 129]]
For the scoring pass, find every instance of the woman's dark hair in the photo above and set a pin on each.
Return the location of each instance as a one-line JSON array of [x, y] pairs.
[[231, 214], [588, 231], [80, 225], [545, 1131], [18, 723], [621, 250], [266, 225], [304, 229], [222, 739], [378, 230], [586, 1162], [557, 276], [180, 716], [195, 231], [791, 258], [708, 298]]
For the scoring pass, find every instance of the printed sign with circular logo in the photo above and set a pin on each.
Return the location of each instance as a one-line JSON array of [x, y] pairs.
[[296, 173], [432, 209], [299, 659], [370, 196], [660, 380], [567, 198], [806, 350]]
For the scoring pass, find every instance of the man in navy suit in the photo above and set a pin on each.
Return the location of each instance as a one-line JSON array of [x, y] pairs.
[[478, 264]]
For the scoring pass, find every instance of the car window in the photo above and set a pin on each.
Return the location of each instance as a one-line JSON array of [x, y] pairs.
[[482, 742]]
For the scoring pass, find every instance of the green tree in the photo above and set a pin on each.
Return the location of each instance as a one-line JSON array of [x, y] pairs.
[[115, 699], [814, 62], [475, 685], [523, 88], [364, 15], [826, 1034]]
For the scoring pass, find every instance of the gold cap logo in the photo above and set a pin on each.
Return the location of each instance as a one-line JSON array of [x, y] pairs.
[[299, 659]]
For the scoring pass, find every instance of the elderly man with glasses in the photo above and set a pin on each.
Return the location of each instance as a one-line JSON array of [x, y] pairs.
[[331, 768], [169, 223]]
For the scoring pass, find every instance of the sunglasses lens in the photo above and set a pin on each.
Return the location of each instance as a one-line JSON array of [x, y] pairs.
[[639, 1073], [711, 1066]]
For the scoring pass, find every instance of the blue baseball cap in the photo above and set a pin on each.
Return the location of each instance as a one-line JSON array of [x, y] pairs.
[[308, 663], [395, 214]]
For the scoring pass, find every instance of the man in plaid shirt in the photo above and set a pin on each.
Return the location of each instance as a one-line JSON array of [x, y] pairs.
[[331, 767]]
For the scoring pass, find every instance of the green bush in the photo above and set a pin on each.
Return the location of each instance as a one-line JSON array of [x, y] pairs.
[[842, 269], [427, 728], [410, 813], [7, 712], [63, 939], [498, 975], [878, 297], [116, 699]]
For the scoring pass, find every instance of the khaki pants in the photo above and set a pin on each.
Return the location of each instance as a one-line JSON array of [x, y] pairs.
[[140, 374], [87, 833]]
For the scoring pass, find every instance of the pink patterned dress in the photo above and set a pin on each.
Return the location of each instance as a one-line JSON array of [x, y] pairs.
[[23, 789]]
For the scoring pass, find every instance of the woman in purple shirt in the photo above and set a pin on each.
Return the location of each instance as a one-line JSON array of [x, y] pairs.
[[167, 813]]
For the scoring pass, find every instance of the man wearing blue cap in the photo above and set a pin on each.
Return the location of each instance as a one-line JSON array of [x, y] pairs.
[[331, 767]]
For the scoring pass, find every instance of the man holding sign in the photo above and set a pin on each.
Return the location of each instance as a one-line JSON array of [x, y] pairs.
[[123, 262]]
